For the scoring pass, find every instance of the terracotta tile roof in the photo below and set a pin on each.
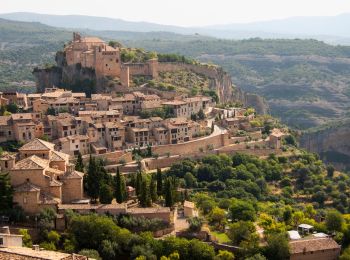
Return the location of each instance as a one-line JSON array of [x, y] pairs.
[[7, 156], [91, 40], [32, 162], [58, 156], [55, 183], [311, 245], [42, 254], [21, 116], [174, 103], [37, 144], [27, 187], [55, 171], [74, 175]]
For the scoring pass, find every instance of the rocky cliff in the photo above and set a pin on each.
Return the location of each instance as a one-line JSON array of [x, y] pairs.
[[331, 143], [78, 78]]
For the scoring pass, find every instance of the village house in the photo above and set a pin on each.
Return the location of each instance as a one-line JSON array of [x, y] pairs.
[[21, 127], [43, 177], [189, 106], [74, 144], [314, 249], [20, 99]]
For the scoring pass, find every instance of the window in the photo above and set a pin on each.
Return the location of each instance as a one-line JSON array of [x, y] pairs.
[[6, 164], [1, 241], [25, 200]]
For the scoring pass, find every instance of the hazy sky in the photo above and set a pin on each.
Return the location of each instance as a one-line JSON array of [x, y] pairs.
[[183, 12]]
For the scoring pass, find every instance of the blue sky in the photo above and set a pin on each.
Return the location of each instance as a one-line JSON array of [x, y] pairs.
[[183, 12]]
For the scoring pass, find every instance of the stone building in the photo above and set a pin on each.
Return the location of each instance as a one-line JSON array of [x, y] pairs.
[[189, 106], [314, 249], [44, 177], [92, 52]]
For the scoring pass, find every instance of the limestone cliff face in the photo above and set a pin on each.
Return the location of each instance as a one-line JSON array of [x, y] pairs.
[[221, 82], [332, 144]]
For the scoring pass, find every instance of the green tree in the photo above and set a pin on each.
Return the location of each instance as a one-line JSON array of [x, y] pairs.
[[120, 188], [217, 217], [105, 193], [240, 231], [85, 227], [224, 255], [153, 189], [159, 182], [79, 166], [169, 194], [6, 192], [201, 115], [330, 171], [277, 247], [145, 196], [51, 111], [27, 240], [138, 185], [242, 210], [90, 253], [93, 180], [195, 224], [12, 108], [334, 221]]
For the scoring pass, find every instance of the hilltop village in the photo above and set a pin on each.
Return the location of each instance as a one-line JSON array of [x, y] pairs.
[[64, 151]]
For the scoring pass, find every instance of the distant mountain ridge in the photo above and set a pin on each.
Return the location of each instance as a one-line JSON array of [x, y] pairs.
[[331, 29]]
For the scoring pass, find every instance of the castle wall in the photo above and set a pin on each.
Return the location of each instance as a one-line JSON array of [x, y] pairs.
[[192, 147]]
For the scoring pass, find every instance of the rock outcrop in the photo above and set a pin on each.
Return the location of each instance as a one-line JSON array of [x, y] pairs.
[[78, 78], [331, 143]]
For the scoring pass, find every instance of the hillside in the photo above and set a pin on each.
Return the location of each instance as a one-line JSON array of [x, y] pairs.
[[332, 29], [306, 82]]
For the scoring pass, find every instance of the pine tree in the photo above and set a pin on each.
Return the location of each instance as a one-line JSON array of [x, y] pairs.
[[6, 191], [119, 190], [79, 166], [159, 182], [153, 189], [169, 196]]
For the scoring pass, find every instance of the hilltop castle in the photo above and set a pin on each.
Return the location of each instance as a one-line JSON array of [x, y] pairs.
[[92, 52]]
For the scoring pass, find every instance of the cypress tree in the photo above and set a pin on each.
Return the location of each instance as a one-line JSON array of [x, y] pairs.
[[153, 189], [169, 199], [159, 182], [106, 193], [79, 166], [138, 183], [119, 196], [93, 180], [6, 191], [123, 188], [145, 196]]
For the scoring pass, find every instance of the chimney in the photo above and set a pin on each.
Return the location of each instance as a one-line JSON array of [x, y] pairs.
[[5, 230], [36, 248]]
